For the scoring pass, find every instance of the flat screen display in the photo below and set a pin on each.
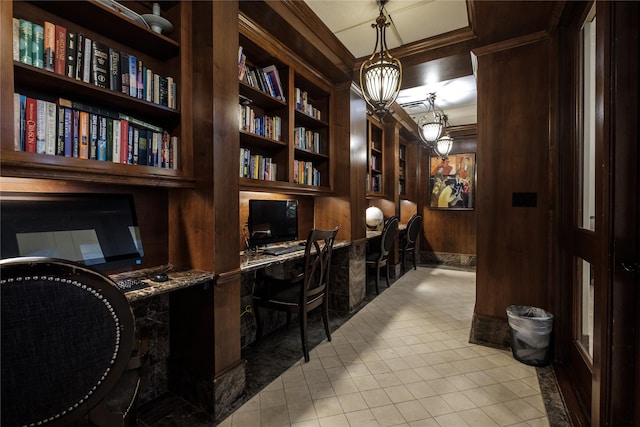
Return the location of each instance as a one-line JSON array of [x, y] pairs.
[[98, 230], [272, 221]]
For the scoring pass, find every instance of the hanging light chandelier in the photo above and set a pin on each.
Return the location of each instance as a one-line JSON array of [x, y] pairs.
[[433, 129], [381, 74]]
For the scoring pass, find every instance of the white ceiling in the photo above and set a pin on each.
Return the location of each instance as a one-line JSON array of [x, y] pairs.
[[411, 20]]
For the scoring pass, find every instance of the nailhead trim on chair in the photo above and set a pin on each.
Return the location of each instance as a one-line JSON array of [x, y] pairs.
[[109, 307]]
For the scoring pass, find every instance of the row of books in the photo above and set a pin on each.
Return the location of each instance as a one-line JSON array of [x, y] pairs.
[[267, 126], [70, 129], [53, 48], [374, 183], [266, 79], [305, 173], [304, 105], [375, 162], [256, 166], [307, 139]]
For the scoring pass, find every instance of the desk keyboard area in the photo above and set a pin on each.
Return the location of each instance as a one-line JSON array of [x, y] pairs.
[[284, 250]]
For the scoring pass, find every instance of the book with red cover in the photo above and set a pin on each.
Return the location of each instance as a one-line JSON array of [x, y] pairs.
[[31, 118], [61, 50], [124, 141]]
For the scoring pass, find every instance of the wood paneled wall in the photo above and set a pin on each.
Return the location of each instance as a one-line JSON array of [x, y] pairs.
[[513, 242]]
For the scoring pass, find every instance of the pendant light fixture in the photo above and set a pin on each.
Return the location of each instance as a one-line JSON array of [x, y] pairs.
[[381, 74], [433, 129]]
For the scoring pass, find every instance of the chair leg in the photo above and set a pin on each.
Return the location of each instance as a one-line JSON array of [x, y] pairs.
[[303, 333], [414, 258], [256, 313], [402, 254], [387, 268], [325, 317], [377, 277]]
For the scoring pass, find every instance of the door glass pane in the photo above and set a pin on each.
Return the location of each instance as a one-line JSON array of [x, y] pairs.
[[584, 294], [587, 219]]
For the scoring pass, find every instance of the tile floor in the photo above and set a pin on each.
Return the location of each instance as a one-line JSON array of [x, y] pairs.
[[403, 360]]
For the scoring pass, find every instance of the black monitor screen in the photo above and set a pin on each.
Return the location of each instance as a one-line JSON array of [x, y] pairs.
[[272, 221], [98, 230]]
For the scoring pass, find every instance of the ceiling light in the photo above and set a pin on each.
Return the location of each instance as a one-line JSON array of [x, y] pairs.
[[433, 129], [431, 124], [381, 74]]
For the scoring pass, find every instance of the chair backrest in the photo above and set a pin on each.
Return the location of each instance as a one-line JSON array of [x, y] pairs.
[[67, 334], [317, 264], [388, 236], [413, 229]]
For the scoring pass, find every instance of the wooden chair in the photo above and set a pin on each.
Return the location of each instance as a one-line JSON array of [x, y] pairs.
[[409, 240], [378, 256], [303, 293], [68, 339]]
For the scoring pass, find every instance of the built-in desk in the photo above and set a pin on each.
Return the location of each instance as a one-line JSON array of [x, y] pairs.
[[151, 309], [250, 261]]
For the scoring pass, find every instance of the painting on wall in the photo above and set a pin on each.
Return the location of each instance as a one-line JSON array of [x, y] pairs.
[[452, 182]]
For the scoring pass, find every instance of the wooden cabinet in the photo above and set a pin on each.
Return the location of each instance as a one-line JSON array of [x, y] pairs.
[[375, 159], [284, 117], [164, 55]]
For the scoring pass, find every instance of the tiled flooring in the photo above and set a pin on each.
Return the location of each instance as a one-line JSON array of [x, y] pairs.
[[403, 360]]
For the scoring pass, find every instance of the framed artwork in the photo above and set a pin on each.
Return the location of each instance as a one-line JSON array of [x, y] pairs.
[[452, 182]]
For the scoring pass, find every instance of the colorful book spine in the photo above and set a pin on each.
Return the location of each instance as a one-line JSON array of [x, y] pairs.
[[60, 133], [124, 70], [31, 124], [26, 42], [124, 141], [75, 140], [140, 80], [68, 132], [49, 46], [133, 76], [51, 127], [79, 56], [61, 49], [84, 135], [117, 145], [143, 147], [37, 46], [101, 138], [109, 124]]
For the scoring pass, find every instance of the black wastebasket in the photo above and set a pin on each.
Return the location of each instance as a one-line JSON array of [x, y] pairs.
[[530, 334]]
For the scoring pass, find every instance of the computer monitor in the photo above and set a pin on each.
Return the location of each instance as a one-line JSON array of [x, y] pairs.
[[272, 221], [98, 230]]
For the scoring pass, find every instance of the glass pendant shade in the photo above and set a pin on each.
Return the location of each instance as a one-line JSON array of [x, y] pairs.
[[443, 146], [381, 74], [431, 124]]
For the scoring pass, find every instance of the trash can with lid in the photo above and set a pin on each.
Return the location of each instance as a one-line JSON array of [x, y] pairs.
[[530, 334]]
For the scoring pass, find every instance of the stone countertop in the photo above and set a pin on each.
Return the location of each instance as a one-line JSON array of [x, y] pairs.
[[250, 260], [178, 279]]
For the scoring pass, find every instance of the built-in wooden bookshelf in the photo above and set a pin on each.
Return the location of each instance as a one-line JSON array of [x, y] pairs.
[[402, 171], [161, 53], [276, 86], [375, 159]]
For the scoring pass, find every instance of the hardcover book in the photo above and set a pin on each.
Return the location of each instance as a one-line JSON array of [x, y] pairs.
[[60, 133], [133, 76], [117, 144], [68, 132], [124, 69], [26, 42], [49, 46], [142, 147], [115, 74], [37, 47], [100, 65], [124, 141], [101, 138], [84, 135], [86, 61], [140, 80], [79, 56], [16, 39], [75, 130], [61, 49], [41, 126], [31, 124], [71, 52], [93, 136], [109, 139]]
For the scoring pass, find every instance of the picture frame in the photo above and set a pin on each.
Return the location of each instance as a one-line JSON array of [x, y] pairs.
[[452, 182]]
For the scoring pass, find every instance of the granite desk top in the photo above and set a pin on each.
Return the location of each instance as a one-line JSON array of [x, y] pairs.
[[178, 279], [250, 260]]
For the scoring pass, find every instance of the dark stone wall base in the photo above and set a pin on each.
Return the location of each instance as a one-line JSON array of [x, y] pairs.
[[228, 387], [490, 331], [466, 261]]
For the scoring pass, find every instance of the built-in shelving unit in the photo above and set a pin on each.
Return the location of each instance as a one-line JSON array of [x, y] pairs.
[[276, 89], [402, 171], [375, 159], [161, 53]]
